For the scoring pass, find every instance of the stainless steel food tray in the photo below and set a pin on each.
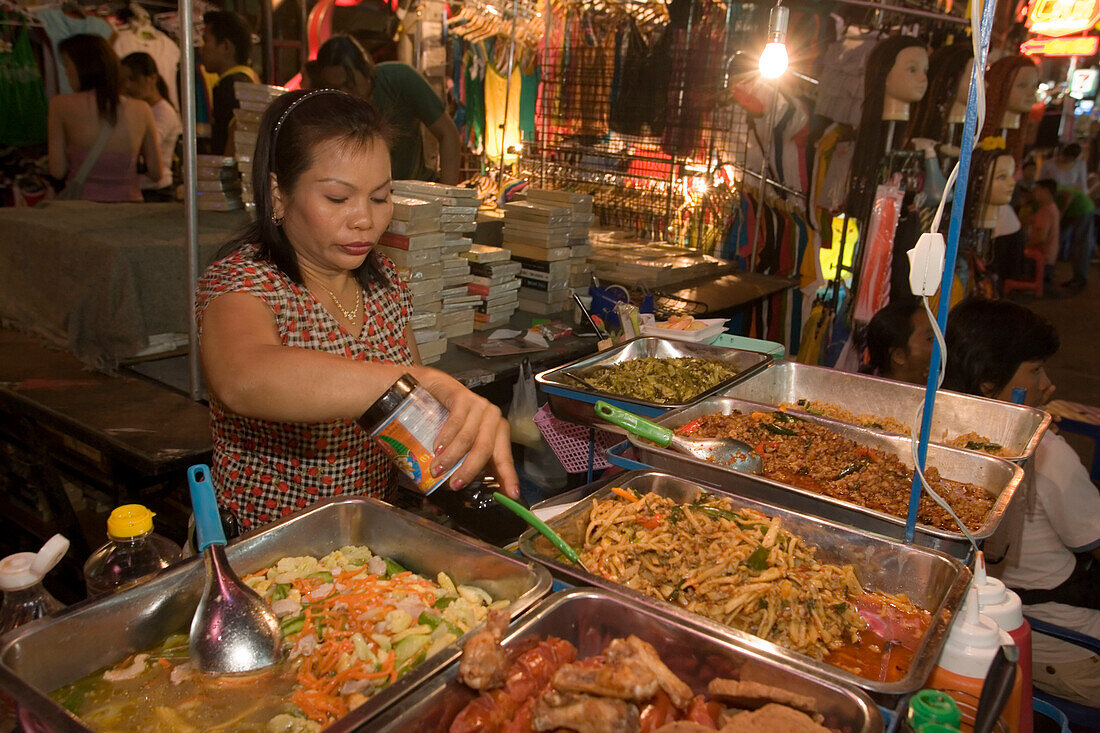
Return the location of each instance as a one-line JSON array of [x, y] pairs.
[[996, 475], [47, 654], [589, 618], [1016, 427], [933, 580], [570, 400]]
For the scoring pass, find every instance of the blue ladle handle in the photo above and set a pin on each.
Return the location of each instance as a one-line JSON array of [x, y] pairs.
[[208, 523]]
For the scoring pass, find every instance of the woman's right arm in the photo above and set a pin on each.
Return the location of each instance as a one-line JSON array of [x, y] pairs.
[[254, 374], [58, 159]]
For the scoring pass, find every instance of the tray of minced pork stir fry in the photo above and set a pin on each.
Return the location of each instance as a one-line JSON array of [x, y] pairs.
[[856, 607], [843, 472], [371, 601]]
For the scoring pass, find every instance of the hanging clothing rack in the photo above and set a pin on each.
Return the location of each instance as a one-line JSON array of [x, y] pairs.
[[915, 12]]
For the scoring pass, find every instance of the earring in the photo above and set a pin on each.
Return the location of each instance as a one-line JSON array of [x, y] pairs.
[[277, 220]]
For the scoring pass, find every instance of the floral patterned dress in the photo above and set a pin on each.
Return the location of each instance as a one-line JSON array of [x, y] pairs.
[[265, 470]]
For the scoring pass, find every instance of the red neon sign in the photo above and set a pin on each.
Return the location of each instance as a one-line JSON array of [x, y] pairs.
[[1084, 46]]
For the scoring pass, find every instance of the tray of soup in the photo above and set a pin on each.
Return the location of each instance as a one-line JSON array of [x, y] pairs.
[[372, 601], [962, 421], [585, 659], [648, 375], [856, 608]]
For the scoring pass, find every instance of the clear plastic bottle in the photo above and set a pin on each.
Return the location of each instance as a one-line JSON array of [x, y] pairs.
[[133, 553], [25, 599]]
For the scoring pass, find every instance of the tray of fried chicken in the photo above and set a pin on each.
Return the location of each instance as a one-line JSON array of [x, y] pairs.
[[583, 660]]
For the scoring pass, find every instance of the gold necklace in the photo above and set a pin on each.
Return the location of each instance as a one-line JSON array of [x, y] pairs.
[[351, 315]]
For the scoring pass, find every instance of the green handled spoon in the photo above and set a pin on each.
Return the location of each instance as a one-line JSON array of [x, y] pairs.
[[726, 452], [526, 515]]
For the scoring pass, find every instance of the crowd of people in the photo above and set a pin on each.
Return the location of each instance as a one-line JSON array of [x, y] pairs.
[[115, 137], [1056, 204]]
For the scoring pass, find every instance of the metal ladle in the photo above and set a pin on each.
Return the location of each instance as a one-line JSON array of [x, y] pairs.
[[233, 630], [726, 452]]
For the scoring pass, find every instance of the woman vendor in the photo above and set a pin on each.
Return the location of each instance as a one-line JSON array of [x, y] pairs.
[[302, 325]]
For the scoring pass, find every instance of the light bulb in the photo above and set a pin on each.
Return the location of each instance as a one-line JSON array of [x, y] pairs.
[[773, 61]]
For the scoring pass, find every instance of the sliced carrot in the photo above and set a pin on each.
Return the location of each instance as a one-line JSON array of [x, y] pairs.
[[628, 495]]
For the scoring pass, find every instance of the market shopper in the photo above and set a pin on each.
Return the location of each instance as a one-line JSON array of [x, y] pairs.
[[96, 133], [141, 80], [226, 46], [303, 325], [994, 347], [899, 342], [1044, 226], [403, 96]]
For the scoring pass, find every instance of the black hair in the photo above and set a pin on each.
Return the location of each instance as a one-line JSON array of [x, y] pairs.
[[1049, 184], [998, 81], [286, 150], [347, 53], [870, 143], [945, 73], [141, 64], [1070, 150], [1029, 163], [889, 329], [97, 70], [226, 25], [988, 340], [982, 163]]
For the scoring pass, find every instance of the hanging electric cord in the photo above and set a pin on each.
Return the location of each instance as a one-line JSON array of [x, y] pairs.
[[978, 83]]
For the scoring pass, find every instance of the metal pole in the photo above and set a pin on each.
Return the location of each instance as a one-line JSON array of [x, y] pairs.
[[970, 130], [507, 96], [764, 175], [190, 173], [267, 40], [303, 19]]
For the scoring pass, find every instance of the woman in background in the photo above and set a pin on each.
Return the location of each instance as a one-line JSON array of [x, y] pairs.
[[899, 342], [98, 116], [141, 80]]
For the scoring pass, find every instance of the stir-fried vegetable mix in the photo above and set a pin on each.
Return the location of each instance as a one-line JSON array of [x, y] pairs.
[[666, 381], [353, 622]]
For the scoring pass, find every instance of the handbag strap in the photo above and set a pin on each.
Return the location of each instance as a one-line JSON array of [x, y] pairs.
[[94, 152]]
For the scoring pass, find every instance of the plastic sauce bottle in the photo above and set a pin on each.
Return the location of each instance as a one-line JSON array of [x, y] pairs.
[[405, 421], [932, 711], [967, 654], [133, 553], [25, 599], [1004, 607]]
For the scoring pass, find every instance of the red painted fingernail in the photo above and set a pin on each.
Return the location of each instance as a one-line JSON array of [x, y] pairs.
[[458, 484], [439, 448], [437, 469]]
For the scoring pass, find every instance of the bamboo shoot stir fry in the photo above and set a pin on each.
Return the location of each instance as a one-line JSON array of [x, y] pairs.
[[353, 622], [737, 567]]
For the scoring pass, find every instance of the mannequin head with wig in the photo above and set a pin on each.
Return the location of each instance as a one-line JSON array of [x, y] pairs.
[[948, 81], [1010, 86]]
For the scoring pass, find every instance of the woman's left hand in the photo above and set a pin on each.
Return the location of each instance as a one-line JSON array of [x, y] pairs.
[[475, 429]]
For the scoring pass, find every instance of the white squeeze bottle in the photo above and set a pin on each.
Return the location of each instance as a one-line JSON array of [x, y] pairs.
[[967, 655], [133, 553], [1004, 607]]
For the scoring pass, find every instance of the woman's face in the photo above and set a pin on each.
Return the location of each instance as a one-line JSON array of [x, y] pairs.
[[134, 85], [71, 73], [339, 207], [908, 78], [1001, 182], [911, 363], [337, 77], [1021, 94], [1030, 376]]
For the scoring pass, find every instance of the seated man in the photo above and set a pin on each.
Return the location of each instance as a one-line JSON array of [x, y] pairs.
[[993, 347], [226, 45]]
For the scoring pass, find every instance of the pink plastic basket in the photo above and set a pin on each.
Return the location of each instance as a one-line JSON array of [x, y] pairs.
[[569, 441]]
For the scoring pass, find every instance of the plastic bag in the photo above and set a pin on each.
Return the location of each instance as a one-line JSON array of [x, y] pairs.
[[521, 415]]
